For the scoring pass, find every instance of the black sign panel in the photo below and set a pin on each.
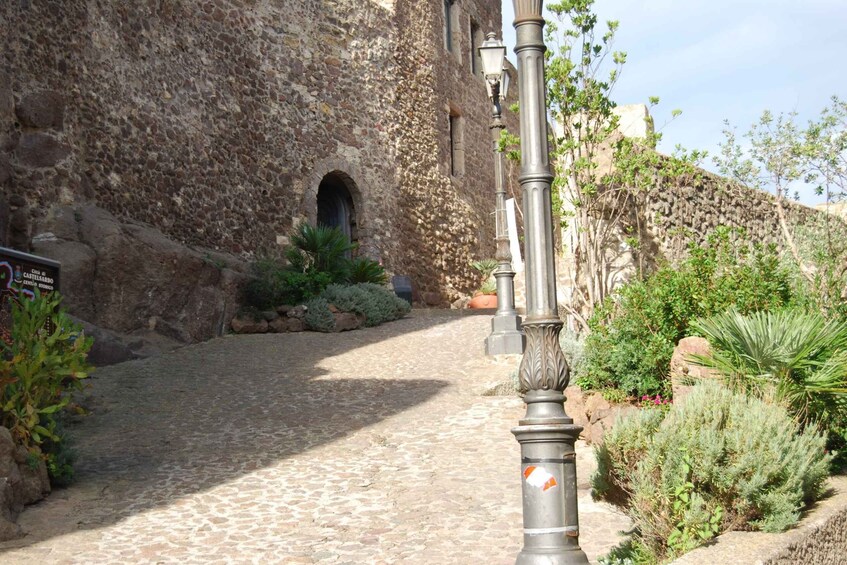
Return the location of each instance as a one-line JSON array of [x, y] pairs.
[[20, 275]]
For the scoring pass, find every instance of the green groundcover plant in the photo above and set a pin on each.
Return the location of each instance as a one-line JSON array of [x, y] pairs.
[[717, 461], [374, 304], [44, 360]]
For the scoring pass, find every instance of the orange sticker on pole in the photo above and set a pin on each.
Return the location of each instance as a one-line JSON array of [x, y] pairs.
[[539, 477]]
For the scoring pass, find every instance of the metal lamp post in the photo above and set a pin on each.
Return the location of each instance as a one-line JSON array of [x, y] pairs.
[[506, 336], [546, 434]]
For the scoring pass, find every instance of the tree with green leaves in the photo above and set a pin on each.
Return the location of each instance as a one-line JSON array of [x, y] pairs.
[[779, 155], [602, 177]]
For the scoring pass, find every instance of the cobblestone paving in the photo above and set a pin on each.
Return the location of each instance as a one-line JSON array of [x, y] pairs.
[[374, 446]]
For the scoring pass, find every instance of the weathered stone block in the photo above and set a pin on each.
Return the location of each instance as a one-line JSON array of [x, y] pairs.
[[42, 109], [247, 325], [278, 325], [298, 312], [684, 374], [39, 150], [296, 325], [345, 321]]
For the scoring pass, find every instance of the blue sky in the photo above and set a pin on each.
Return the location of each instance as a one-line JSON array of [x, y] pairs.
[[725, 59]]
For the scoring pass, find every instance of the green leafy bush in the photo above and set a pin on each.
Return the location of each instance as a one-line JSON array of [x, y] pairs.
[[317, 258], [364, 270], [319, 249], [275, 284], [45, 359], [319, 317], [715, 462], [375, 303], [795, 358], [60, 457], [633, 335]]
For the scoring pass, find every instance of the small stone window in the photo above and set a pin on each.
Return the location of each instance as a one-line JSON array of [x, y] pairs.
[[448, 25], [457, 145], [476, 40]]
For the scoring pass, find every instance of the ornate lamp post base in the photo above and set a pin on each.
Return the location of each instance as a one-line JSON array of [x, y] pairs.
[[548, 463], [506, 336]]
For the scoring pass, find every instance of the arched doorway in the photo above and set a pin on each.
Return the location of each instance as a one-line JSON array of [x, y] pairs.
[[335, 204]]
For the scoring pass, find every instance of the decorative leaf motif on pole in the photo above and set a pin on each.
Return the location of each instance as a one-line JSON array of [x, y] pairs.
[[543, 366]]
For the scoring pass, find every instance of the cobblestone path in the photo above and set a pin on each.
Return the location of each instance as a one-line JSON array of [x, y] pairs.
[[374, 446]]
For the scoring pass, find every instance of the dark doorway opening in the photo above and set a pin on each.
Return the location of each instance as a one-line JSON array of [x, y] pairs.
[[335, 204]]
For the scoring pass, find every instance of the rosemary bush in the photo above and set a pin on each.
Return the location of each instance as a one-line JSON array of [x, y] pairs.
[[715, 462], [375, 303]]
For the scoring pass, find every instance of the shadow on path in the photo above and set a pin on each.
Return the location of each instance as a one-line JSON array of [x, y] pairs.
[[161, 429]]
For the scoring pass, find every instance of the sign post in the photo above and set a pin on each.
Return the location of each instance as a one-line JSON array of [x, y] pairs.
[[20, 275]]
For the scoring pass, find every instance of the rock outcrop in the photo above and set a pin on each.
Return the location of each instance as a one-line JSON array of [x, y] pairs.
[[23, 480], [131, 279], [684, 373]]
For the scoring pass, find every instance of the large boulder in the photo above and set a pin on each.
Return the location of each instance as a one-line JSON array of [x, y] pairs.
[[249, 325], [594, 413], [130, 278], [109, 348], [20, 483], [684, 373], [42, 109]]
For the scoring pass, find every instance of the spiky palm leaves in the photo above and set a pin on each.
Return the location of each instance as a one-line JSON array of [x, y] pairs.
[[320, 248], [796, 358]]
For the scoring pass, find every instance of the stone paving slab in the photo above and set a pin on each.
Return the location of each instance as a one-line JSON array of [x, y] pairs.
[[374, 446]]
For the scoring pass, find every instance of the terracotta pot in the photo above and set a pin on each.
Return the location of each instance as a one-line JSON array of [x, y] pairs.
[[483, 301]]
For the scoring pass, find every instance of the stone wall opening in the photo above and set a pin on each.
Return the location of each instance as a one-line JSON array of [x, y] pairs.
[[335, 204]]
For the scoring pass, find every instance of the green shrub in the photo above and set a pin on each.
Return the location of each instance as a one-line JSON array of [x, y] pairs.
[[319, 249], [796, 358], [633, 335], [60, 457], [375, 303], [45, 359], [364, 270], [573, 346], [275, 284], [318, 316], [715, 462], [316, 258]]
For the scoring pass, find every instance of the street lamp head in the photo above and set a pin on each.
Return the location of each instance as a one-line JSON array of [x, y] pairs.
[[492, 52], [504, 84], [527, 10]]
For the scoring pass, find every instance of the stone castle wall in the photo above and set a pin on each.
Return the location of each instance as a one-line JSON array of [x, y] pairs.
[[689, 211], [215, 121]]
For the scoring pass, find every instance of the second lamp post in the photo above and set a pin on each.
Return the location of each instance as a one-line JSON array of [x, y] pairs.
[[506, 335]]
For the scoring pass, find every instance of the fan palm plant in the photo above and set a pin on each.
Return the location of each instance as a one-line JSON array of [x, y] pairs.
[[319, 248], [795, 358]]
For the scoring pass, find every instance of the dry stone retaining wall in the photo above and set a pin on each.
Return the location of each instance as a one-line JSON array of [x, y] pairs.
[[686, 211]]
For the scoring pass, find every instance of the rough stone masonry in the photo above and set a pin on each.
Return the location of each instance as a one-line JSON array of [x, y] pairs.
[[217, 123]]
